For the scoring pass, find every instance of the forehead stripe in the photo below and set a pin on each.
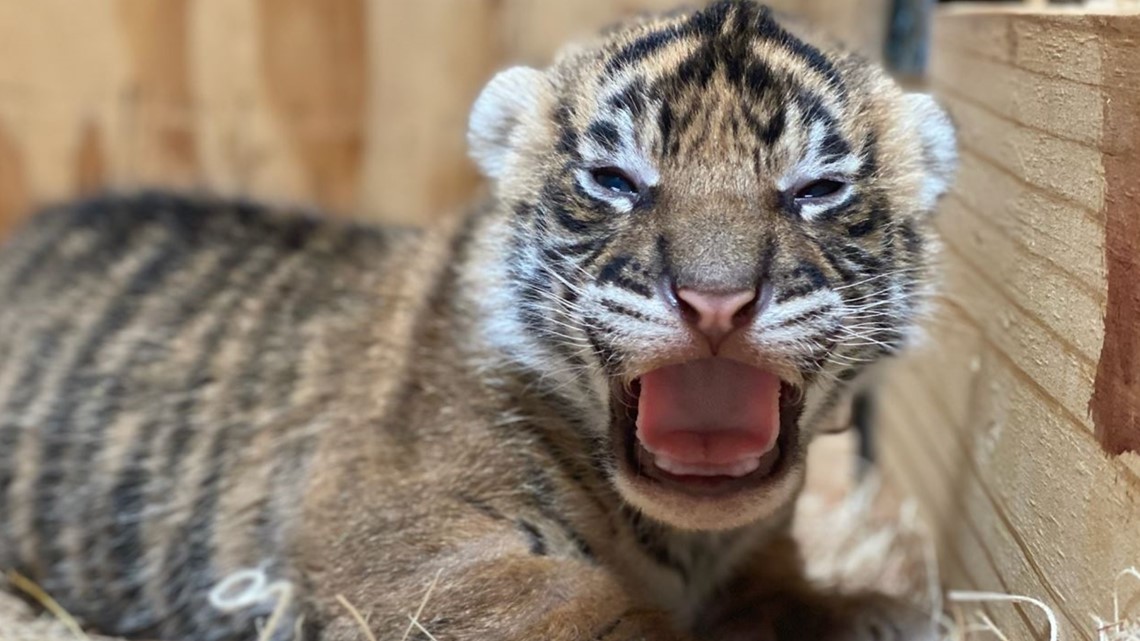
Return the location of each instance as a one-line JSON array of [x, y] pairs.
[[722, 45], [631, 98], [606, 134], [813, 57], [642, 48], [833, 147]]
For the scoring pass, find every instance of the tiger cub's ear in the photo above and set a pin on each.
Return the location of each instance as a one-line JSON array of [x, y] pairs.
[[939, 146], [497, 113]]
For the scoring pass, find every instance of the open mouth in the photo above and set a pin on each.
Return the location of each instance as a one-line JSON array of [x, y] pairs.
[[707, 427]]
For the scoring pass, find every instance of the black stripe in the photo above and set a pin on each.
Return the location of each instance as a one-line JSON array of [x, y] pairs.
[[595, 255], [523, 210], [21, 395], [665, 127], [804, 279], [609, 357], [775, 127], [642, 48], [284, 475], [483, 507], [44, 275], [48, 520], [534, 537], [561, 252], [542, 493], [830, 253], [606, 134], [632, 98], [568, 461], [833, 147], [866, 261], [188, 562], [622, 310], [129, 494], [804, 317], [565, 218], [697, 70], [47, 231], [647, 537], [664, 255], [612, 270], [567, 137], [767, 28], [757, 80], [187, 307], [709, 22], [912, 241], [876, 216], [533, 289], [812, 111]]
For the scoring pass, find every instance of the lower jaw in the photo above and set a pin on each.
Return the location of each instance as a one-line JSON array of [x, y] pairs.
[[640, 462]]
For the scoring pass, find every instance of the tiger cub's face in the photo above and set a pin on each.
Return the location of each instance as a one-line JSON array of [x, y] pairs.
[[711, 228]]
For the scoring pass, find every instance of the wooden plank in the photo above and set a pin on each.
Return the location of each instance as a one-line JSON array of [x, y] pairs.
[[1061, 107], [1042, 236]]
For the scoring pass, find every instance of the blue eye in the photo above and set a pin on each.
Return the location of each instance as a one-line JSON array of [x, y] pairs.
[[818, 189], [615, 180]]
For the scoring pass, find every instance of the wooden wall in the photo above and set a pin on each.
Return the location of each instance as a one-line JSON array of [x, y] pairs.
[[359, 105], [1018, 425]]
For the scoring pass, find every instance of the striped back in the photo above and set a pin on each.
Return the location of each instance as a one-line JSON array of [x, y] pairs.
[[162, 367]]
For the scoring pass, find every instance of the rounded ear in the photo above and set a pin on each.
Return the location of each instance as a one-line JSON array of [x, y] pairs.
[[939, 145], [497, 113]]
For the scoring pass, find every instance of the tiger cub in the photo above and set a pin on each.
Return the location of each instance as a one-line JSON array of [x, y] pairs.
[[580, 412]]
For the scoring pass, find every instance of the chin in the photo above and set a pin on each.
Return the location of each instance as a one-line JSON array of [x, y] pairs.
[[707, 496]]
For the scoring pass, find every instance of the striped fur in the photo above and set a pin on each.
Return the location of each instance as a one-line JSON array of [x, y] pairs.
[[161, 399], [193, 390]]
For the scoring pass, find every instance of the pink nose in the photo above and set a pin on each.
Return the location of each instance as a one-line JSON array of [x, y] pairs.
[[716, 315]]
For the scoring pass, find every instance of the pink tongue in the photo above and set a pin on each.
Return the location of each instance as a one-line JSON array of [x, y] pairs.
[[712, 411]]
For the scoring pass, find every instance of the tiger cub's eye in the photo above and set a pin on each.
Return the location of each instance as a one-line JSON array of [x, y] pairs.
[[615, 180], [818, 189]]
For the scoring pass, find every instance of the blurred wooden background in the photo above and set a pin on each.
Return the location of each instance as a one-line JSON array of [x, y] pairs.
[[357, 105]]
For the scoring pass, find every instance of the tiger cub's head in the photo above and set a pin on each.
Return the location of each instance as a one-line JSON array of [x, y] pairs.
[[707, 229]]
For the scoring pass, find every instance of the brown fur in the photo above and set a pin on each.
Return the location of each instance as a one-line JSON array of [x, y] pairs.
[[190, 388]]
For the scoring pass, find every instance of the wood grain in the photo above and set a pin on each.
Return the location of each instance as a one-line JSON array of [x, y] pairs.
[[156, 38], [990, 423], [314, 64]]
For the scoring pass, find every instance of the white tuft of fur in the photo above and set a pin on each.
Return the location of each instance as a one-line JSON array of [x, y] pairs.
[[496, 115], [939, 145]]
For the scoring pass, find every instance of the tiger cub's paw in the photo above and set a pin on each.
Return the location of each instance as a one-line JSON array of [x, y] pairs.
[[641, 626], [825, 617], [877, 617]]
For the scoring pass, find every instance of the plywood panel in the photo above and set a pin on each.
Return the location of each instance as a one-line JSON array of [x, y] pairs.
[[997, 423]]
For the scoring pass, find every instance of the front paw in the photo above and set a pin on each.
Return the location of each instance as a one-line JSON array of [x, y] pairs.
[[825, 617], [639, 626], [870, 617]]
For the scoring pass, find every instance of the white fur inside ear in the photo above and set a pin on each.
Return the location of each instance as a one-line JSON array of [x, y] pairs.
[[497, 113], [939, 145]]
